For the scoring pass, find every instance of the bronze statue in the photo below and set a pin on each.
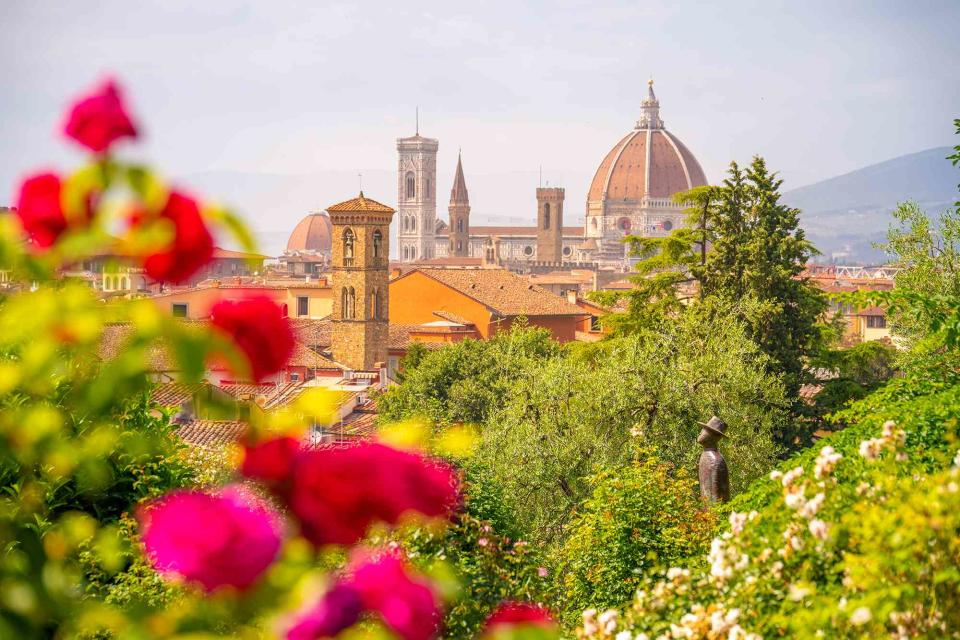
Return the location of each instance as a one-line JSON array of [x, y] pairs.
[[714, 478]]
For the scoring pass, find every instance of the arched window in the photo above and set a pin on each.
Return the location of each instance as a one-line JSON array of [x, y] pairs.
[[546, 215], [460, 225], [459, 246], [377, 243], [348, 302], [406, 253], [375, 310], [411, 185], [348, 239], [413, 223]]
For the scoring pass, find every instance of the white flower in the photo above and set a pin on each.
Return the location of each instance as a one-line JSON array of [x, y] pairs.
[[776, 474], [790, 476], [623, 635], [812, 506], [870, 449], [819, 529], [795, 499], [860, 616], [737, 520], [956, 459], [608, 621], [826, 462]]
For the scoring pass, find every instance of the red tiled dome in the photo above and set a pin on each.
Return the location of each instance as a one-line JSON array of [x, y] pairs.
[[648, 161], [313, 233]]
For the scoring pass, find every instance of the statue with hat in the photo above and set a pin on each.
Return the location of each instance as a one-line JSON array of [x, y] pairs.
[[714, 477]]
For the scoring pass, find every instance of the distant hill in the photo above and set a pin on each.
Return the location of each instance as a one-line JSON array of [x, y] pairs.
[[844, 215]]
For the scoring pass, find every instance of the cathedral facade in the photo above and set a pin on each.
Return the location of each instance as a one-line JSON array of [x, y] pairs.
[[631, 194]]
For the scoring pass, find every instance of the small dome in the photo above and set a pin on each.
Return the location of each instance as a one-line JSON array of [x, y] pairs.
[[649, 161], [313, 233]]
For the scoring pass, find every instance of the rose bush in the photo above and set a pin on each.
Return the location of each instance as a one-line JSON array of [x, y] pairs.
[[81, 447]]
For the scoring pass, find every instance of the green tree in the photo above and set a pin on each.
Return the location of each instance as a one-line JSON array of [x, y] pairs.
[[760, 252], [667, 266], [569, 417], [464, 382]]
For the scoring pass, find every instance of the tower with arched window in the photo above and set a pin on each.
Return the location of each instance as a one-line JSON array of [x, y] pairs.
[[459, 210], [549, 224], [360, 273], [416, 197]]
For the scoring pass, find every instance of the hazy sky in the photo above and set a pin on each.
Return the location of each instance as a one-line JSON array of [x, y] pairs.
[[287, 87]]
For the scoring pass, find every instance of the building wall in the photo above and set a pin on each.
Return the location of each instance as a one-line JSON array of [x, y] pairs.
[[409, 294], [200, 301], [563, 328]]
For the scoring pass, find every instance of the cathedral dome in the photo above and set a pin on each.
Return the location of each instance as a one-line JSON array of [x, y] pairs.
[[313, 233], [648, 162]]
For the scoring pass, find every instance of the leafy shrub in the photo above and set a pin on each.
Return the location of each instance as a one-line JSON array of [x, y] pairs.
[[640, 517]]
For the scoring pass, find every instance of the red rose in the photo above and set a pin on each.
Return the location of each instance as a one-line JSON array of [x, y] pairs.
[[258, 327], [335, 504], [40, 209], [191, 247], [97, 120], [519, 613], [270, 461]]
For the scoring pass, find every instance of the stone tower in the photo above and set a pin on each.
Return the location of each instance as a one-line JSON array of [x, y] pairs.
[[549, 224], [417, 197], [459, 210], [361, 254]]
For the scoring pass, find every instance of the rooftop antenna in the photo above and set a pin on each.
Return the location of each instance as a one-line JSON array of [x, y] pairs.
[[541, 175], [418, 119], [360, 176]]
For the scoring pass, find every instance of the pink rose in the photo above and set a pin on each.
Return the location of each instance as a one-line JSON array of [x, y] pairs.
[[407, 605], [339, 609], [216, 539], [99, 119]]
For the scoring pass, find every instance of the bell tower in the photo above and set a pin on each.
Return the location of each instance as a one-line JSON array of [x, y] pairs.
[[361, 249], [459, 210], [417, 197], [550, 224]]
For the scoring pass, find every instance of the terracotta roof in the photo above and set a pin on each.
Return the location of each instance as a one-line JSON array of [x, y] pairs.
[[872, 311], [452, 317], [623, 174], [211, 433], [239, 390], [312, 333], [305, 356], [174, 394], [503, 292], [115, 338], [313, 233], [360, 203], [400, 335]]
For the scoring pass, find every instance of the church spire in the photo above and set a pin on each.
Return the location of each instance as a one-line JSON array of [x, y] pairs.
[[458, 194], [650, 110]]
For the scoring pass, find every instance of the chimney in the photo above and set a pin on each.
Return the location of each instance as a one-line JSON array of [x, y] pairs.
[[572, 296]]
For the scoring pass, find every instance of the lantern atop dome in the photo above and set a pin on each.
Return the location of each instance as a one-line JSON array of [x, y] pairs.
[[650, 110]]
